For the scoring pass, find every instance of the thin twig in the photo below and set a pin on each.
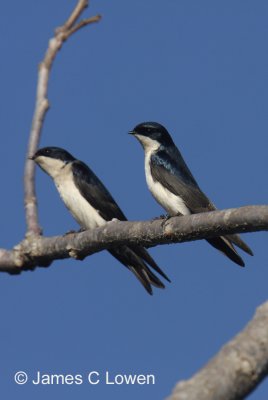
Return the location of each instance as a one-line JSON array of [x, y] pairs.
[[42, 106], [81, 24], [80, 7]]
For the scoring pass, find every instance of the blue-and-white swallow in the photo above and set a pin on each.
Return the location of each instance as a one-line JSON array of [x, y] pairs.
[[91, 204], [173, 186]]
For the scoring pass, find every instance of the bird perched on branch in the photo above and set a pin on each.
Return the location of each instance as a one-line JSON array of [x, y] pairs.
[[92, 206], [174, 187]]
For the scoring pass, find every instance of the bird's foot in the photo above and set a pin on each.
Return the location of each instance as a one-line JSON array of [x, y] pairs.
[[73, 231], [69, 232], [164, 219], [163, 216]]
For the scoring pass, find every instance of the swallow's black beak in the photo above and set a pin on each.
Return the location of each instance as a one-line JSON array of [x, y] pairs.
[[31, 157], [131, 132]]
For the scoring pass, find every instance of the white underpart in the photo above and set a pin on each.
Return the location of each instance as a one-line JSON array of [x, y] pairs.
[[172, 203], [86, 215]]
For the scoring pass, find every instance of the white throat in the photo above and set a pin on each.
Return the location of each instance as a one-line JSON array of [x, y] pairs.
[[148, 144], [52, 166], [172, 203], [86, 215]]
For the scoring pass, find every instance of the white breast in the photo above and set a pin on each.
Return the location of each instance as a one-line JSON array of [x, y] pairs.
[[172, 203], [86, 216]]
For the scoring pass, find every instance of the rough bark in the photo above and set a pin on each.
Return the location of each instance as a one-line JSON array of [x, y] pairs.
[[236, 370], [242, 363], [39, 251]]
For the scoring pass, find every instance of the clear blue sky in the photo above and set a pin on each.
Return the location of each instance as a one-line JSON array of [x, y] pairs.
[[199, 68]]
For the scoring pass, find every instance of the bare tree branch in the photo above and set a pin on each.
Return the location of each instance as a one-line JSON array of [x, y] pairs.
[[79, 8], [242, 363], [80, 25], [41, 107], [236, 370], [40, 251]]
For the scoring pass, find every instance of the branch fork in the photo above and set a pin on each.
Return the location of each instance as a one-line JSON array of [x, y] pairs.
[[241, 364], [41, 107]]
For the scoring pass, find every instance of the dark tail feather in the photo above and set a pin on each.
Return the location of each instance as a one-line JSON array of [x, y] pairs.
[[142, 278], [153, 279], [235, 239], [148, 276], [142, 252], [225, 246], [136, 265]]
